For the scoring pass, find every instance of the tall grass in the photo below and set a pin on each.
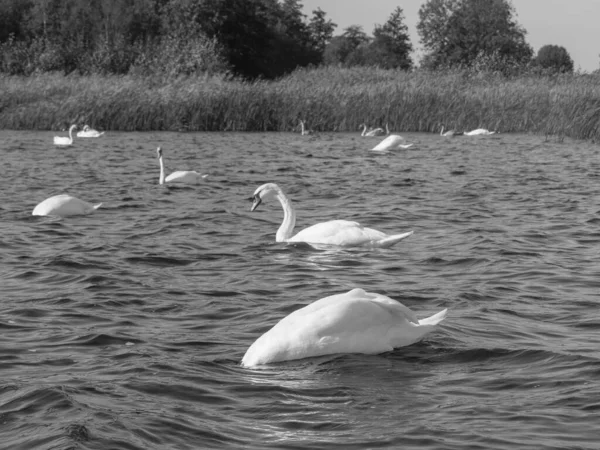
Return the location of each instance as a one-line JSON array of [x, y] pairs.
[[330, 99]]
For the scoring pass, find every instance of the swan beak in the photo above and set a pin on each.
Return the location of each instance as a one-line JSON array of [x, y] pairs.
[[255, 202]]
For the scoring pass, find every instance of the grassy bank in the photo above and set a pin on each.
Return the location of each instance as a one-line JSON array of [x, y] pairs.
[[330, 99]]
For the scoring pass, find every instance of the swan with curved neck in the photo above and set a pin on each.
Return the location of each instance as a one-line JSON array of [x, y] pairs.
[[62, 140], [180, 176], [479, 132], [450, 133], [353, 322], [89, 132], [392, 142], [343, 233], [64, 205], [373, 132], [303, 130]]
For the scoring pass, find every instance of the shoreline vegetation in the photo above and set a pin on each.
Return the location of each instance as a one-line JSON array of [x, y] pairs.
[[328, 98]]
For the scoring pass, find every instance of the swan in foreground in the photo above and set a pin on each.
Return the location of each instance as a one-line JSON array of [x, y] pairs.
[[374, 131], [89, 132], [450, 133], [303, 130], [62, 140], [342, 233], [353, 322], [479, 132], [180, 176], [64, 205], [392, 142]]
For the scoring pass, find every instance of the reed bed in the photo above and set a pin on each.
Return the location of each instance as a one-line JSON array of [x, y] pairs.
[[329, 99]]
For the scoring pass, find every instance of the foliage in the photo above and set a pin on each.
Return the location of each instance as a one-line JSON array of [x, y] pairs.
[[455, 33], [555, 58], [329, 98]]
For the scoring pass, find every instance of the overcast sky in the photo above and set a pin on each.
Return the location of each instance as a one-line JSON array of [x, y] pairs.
[[573, 24]]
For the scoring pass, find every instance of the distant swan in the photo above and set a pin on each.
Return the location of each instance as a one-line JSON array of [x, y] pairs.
[[180, 176], [450, 133], [372, 132], [303, 130], [479, 132], [392, 142], [60, 140], [89, 132], [64, 205], [352, 322], [335, 232]]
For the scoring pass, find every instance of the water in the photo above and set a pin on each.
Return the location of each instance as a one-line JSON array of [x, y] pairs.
[[124, 329]]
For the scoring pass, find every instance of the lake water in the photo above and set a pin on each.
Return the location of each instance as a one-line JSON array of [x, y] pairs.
[[124, 329]]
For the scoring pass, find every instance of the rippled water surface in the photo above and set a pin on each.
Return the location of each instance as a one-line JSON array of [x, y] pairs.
[[124, 329]]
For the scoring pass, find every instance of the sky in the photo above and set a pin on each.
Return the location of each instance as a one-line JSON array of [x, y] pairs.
[[572, 24]]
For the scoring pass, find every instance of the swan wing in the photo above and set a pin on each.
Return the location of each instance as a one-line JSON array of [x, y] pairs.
[[184, 176], [391, 142], [353, 322], [338, 232], [63, 205], [59, 140]]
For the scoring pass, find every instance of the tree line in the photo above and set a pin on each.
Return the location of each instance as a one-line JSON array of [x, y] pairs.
[[255, 38]]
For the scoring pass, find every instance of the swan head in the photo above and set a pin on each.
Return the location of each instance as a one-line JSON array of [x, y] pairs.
[[86, 128], [159, 152], [265, 192]]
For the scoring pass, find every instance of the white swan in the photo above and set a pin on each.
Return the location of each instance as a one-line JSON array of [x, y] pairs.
[[180, 176], [89, 132], [303, 130], [372, 132], [342, 233], [450, 133], [353, 322], [64, 205], [392, 142], [61, 140], [479, 132]]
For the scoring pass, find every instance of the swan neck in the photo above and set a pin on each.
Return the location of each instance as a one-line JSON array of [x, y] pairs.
[[161, 178], [289, 219]]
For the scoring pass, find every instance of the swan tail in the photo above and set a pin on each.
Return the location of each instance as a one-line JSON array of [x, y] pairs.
[[391, 240], [435, 319], [95, 207]]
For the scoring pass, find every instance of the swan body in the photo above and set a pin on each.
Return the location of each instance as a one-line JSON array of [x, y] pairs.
[[373, 131], [62, 140], [479, 132], [352, 322], [180, 176], [343, 233], [89, 132], [392, 142], [450, 133], [303, 130], [64, 205]]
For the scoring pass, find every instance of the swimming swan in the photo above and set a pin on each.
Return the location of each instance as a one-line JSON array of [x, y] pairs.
[[61, 140], [450, 133], [353, 322], [89, 132], [479, 132], [180, 176], [303, 130], [64, 205], [372, 132], [392, 142], [342, 233]]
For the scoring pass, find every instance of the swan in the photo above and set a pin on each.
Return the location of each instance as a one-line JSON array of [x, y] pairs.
[[479, 132], [61, 140], [180, 176], [450, 133], [89, 132], [372, 132], [392, 142], [353, 322], [342, 233], [304, 131], [64, 205]]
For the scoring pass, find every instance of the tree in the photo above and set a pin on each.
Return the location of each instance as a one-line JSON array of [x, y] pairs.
[[391, 47], [555, 58], [321, 30], [459, 32], [341, 48]]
